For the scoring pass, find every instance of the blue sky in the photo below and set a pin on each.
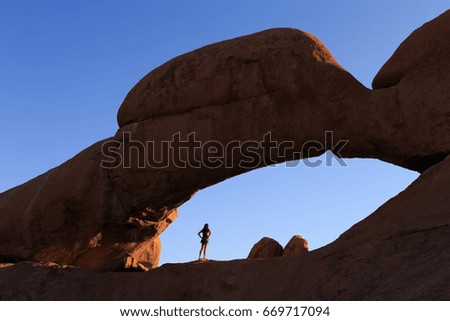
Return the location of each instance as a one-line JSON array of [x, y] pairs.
[[65, 67]]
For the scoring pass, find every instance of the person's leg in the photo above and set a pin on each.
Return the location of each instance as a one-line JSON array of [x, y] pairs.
[[200, 253], [204, 250]]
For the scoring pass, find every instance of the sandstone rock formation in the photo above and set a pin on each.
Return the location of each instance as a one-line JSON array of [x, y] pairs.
[[71, 215], [265, 248], [400, 252], [297, 245], [414, 83], [282, 81]]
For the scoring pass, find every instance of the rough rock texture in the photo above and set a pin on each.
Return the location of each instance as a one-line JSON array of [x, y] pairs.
[[265, 248], [400, 252], [297, 245], [414, 83], [72, 215], [282, 81], [424, 53]]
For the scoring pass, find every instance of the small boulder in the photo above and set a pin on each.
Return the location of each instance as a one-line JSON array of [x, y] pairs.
[[265, 248], [297, 245]]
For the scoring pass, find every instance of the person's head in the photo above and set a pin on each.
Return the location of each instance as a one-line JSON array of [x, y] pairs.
[[206, 227]]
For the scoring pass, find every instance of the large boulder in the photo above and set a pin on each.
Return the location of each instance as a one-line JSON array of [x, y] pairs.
[[280, 68], [265, 248], [297, 245]]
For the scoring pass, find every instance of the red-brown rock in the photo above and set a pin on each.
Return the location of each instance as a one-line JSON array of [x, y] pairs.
[[71, 215], [414, 83], [400, 252], [282, 81], [265, 248], [297, 245]]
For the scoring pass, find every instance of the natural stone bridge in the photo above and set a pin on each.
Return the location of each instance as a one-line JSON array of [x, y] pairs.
[[282, 81]]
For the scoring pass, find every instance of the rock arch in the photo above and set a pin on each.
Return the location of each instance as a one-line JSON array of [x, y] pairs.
[[282, 81]]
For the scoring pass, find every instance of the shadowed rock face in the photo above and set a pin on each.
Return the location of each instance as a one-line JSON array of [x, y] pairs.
[[282, 81], [414, 83], [400, 252], [72, 215]]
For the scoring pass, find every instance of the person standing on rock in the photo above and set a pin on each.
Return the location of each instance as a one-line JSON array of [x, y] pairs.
[[204, 234]]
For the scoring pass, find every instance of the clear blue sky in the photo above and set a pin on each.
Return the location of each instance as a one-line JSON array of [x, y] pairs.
[[65, 67]]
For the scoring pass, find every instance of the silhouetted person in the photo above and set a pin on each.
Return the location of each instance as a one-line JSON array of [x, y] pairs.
[[204, 234]]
